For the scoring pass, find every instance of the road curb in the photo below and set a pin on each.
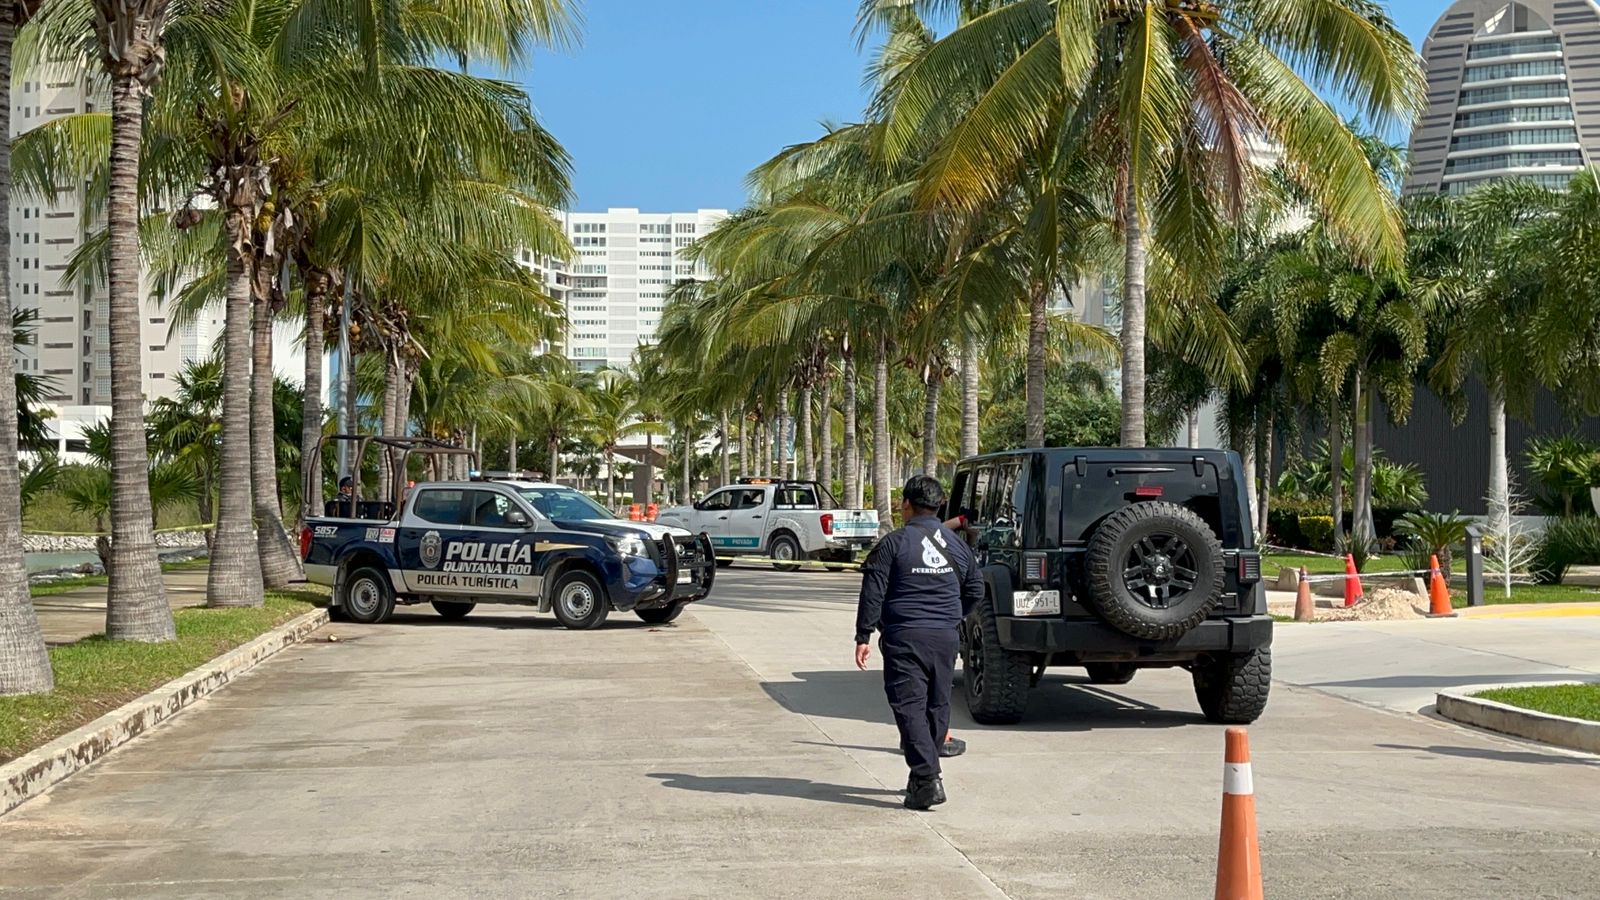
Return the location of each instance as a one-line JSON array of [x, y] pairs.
[[35, 772], [1559, 731]]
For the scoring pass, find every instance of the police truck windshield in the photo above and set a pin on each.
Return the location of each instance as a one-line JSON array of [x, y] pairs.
[[564, 503]]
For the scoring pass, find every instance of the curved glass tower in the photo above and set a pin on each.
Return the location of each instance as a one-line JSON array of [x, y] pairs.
[[1513, 92]]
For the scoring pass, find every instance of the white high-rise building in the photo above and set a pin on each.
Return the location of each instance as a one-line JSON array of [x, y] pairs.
[[624, 265], [71, 349]]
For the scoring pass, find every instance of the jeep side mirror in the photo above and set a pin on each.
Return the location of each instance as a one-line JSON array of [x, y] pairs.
[[517, 518]]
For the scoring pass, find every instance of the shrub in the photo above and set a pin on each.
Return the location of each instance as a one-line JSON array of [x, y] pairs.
[[1566, 543], [1566, 467], [1318, 532], [1283, 528], [1432, 534]]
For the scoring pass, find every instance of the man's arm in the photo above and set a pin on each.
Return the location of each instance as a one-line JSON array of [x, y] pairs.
[[971, 585], [874, 587]]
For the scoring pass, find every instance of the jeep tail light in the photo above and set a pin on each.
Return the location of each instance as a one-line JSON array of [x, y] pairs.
[[827, 524], [1149, 490], [1249, 568], [305, 542], [1035, 568]]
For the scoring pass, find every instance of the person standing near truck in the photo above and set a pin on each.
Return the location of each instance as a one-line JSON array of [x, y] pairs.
[[917, 585]]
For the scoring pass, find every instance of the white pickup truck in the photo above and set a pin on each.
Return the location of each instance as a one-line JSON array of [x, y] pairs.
[[783, 520]]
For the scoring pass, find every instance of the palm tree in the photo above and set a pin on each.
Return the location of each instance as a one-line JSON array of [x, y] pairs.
[[1177, 98], [91, 489], [187, 427], [24, 662], [615, 416]]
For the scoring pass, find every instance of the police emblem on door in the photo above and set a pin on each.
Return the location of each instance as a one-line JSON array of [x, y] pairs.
[[429, 551]]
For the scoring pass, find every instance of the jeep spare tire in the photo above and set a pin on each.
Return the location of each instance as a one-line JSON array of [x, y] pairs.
[[1155, 570]]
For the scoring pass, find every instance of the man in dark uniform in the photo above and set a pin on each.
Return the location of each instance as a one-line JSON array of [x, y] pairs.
[[917, 585]]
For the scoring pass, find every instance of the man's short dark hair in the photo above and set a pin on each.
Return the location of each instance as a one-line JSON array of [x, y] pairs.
[[924, 492]]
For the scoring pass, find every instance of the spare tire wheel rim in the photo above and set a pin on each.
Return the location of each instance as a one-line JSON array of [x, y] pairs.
[[578, 600], [1160, 569], [365, 597]]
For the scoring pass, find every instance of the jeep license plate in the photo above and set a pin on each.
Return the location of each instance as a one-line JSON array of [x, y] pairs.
[[1036, 603]]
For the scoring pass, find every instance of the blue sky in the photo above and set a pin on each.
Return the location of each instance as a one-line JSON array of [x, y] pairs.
[[666, 105]]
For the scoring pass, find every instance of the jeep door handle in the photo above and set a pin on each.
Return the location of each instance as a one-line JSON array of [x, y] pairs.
[[755, 517]]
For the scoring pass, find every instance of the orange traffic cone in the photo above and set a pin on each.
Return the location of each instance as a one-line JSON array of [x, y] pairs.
[[1352, 582], [1239, 855], [1439, 594], [1304, 608], [635, 514]]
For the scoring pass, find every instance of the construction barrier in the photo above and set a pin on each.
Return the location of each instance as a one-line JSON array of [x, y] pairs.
[[1238, 851]]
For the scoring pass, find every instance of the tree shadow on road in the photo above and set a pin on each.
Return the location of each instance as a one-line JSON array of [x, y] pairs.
[[424, 618], [799, 788], [1057, 704], [1519, 756], [1441, 681]]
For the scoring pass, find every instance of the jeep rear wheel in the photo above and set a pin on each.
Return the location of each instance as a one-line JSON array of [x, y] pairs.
[[994, 679], [1155, 570], [579, 601], [1232, 688]]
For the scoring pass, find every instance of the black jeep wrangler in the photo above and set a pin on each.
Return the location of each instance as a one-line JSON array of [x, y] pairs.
[[1113, 560]]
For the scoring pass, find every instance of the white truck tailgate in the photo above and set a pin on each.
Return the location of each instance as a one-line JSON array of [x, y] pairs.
[[855, 523]]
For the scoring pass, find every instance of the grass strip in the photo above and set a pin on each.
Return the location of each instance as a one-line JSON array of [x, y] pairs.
[[95, 676], [1575, 701]]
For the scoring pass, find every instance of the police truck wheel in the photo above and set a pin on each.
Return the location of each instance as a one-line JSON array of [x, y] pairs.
[[580, 603], [1232, 688], [661, 615], [994, 679], [784, 549], [368, 599], [1155, 570], [452, 611], [1110, 672]]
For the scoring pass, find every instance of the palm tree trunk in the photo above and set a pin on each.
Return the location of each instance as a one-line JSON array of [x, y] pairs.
[[852, 448], [511, 457], [1194, 427], [611, 479], [1133, 321], [136, 598], [825, 435], [807, 448], [782, 442], [1361, 526], [1265, 440], [1499, 472], [649, 468], [930, 419], [1038, 332], [391, 394], [881, 451], [744, 444], [553, 450], [24, 662], [969, 395], [726, 473], [316, 298], [1336, 461], [1244, 442], [235, 578], [279, 564], [688, 464]]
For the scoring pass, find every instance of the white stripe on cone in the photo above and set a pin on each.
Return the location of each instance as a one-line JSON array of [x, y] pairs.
[[1236, 779]]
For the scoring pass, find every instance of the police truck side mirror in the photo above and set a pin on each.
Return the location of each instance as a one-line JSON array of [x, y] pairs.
[[516, 517]]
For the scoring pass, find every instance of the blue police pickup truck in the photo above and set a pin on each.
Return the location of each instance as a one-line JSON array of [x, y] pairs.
[[456, 544]]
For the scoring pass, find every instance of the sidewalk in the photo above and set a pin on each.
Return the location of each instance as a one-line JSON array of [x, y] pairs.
[[74, 615]]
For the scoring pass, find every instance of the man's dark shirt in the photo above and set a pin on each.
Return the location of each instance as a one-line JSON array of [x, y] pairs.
[[921, 576]]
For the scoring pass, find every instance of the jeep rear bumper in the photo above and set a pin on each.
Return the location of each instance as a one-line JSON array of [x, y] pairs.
[[1086, 637]]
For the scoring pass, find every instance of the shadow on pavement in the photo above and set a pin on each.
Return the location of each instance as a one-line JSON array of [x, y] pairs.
[[1055, 705], [1520, 756], [425, 618], [799, 788]]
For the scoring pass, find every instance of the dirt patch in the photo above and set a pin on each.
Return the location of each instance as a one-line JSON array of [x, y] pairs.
[[1383, 604]]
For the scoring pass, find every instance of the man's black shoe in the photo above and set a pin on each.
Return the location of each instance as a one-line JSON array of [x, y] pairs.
[[952, 747], [924, 793]]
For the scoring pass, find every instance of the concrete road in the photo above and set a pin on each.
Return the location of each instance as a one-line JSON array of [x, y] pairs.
[[736, 754]]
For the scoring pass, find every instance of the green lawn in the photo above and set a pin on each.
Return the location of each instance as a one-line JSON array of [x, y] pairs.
[[95, 676], [1324, 565], [1576, 701], [1494, 594]]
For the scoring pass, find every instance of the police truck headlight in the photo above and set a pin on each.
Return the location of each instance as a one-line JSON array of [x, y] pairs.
[[631, 545]]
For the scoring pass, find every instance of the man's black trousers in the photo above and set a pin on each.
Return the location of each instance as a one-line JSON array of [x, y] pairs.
[[918, 666]]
